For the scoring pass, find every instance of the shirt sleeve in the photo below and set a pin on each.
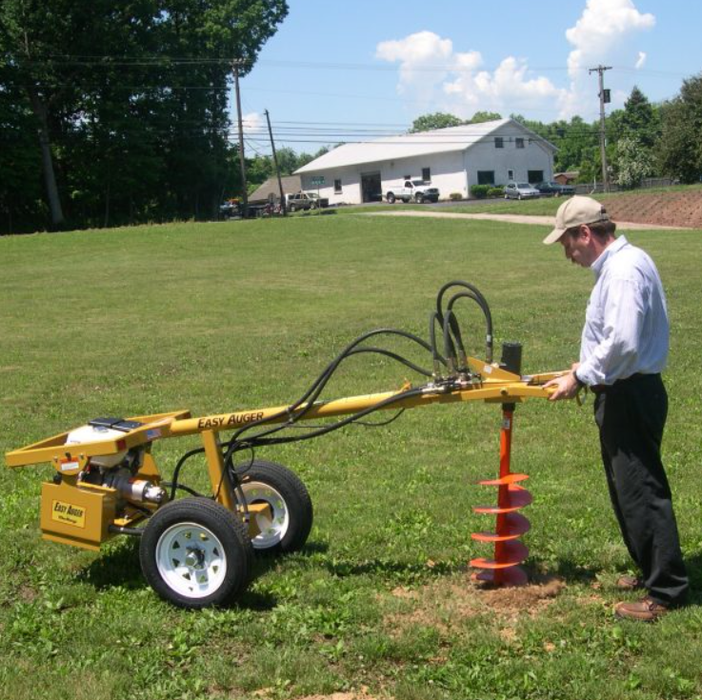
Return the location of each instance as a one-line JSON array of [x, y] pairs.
[[622, 315]]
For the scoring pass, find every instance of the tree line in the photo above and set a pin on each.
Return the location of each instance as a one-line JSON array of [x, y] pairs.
[[643, 139], [116, 113]]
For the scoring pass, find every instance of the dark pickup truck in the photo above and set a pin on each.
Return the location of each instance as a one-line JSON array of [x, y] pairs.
[[555, 189]]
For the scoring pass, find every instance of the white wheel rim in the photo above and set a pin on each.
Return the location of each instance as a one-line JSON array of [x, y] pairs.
[[271, 529], [191, 560]]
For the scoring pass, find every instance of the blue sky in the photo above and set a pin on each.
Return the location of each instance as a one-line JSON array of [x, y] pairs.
[[346, 71]]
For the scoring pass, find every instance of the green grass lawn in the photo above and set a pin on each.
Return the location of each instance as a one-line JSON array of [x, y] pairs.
[[235, 315]]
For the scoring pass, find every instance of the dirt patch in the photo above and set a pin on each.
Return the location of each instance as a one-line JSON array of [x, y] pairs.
[[361, 695], [442, 606], [662, 209]]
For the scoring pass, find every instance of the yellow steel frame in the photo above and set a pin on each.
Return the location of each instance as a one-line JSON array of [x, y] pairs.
[[488, 383]]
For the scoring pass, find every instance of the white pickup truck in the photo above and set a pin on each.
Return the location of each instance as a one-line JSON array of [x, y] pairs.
[[412, 190]]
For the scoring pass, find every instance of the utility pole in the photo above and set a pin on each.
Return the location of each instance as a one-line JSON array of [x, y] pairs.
[[604, 97], [242, 162], [277, 169]]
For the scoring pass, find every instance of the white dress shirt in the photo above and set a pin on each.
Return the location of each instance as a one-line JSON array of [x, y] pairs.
[[626, 324]]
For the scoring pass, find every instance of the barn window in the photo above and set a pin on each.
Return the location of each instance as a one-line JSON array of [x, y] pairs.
[[426, 174], [519, 142], [337, 187], [499, 142]]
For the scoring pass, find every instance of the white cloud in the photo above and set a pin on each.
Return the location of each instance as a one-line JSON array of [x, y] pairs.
[[425, 62], [602, 28], [253, 122], [603, 35], [434, 74]]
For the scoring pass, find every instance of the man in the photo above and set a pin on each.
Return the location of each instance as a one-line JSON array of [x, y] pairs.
[[623, 350]]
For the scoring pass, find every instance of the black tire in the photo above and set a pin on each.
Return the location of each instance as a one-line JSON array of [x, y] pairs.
[[390, 197], [216, 568], [419, 198], [287, 496]]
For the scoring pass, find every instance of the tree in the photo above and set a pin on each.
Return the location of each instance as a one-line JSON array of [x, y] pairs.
[[480, 117], [577, 143], [20, 164], [139, 132], [632, 134], [639, 120], [288, 161], [634, 162], [680, 147], [437, 120]]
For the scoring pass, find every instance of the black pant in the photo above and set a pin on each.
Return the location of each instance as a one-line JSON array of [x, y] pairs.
[[631, 415]]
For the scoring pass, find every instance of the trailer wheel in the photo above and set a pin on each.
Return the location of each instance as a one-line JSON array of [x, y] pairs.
[[289, 501], [195, 553]]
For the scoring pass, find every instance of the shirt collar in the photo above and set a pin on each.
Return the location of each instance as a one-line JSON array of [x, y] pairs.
[[607, 253]]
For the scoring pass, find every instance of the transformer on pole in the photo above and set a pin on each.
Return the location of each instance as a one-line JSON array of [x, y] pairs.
[[604, 96]]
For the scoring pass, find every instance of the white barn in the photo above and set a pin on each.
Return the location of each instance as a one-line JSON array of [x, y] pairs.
[[451, 159]]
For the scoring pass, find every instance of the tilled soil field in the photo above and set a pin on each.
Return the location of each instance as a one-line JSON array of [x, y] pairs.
[[667, 209]]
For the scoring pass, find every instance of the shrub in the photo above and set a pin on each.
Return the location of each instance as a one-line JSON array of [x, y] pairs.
[[480, 191], [496, 192], [455, 196]]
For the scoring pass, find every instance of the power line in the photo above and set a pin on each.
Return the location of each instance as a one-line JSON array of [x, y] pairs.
[[108, 60]]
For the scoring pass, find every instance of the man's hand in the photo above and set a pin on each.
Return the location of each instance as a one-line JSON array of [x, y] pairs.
[[565, 387]]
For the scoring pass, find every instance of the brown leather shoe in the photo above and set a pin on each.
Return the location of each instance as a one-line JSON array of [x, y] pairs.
[[629, 583], [646, 609]]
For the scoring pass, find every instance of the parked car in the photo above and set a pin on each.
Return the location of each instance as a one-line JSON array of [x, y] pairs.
[[555, 189], [412, 190], [521, 190], [230, 209], [321, 202], [300, 200]]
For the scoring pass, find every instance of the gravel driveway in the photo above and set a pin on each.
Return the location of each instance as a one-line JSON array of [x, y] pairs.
[[514, 219]]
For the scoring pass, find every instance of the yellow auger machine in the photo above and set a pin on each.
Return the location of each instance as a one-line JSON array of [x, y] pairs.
[[197, 551]]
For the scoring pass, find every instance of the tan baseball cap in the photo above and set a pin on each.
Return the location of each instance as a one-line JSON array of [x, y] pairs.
[[576, 211]]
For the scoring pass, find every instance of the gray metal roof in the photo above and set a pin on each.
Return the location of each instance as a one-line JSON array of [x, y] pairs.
[[291, 184], [455, 138]]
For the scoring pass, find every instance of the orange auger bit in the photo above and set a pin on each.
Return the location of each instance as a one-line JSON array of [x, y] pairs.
[[504, 569]]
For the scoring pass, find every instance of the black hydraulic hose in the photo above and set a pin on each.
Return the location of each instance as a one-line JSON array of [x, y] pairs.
[[298, 416], [310, 395], [474, 294], [294, 412], [176, 472], [452, 332], [484, 307], [256, 441], [482, 301], [393, 356], [449, 346], [488, 320], [175, 485], [433, 320], [315, 390]]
